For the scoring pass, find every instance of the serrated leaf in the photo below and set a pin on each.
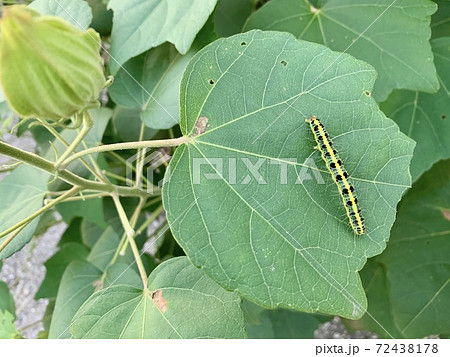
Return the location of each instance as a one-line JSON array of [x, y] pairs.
[[426, 117], [417, 257], [77, 12], [230, 16], [22, 193], [56, 266], [6, 299], [278, 243], [175, 21], [77, 285], [391, 37], [440, 23], [183, 303]]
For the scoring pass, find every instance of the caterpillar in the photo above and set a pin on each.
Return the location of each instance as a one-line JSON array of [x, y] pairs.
[[340, 176]]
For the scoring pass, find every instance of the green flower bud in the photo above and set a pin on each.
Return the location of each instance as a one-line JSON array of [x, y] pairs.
[[49, 69]]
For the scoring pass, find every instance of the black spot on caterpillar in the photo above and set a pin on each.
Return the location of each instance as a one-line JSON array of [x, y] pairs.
[[339, 174]]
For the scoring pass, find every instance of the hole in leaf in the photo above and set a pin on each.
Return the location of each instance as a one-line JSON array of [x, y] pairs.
[[243, 43], [211, 81], [443, 116], [284, 63], [367, 93]]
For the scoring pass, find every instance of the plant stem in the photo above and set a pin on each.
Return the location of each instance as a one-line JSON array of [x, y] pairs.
[[128, 145], [73, 191], [140, 161], [130, 234], [69, 177], [63, 141], [87, 125], [149, 220], [133, 221], [10, 238], [85, 197]]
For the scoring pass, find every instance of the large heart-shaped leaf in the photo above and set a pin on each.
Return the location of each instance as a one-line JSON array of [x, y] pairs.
[[139, 25], [426, 117], [22, 193], [183, 303], [390, 35], [278, 242], [416, 260]]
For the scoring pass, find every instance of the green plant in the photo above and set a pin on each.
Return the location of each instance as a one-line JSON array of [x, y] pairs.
[[256, 238]]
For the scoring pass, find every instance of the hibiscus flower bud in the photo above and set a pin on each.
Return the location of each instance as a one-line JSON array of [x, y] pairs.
[[49, 69]]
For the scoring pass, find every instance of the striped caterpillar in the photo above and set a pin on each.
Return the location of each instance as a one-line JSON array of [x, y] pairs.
[[340, 176]]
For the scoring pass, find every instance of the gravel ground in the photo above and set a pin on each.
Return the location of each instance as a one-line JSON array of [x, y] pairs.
[[24, 272]]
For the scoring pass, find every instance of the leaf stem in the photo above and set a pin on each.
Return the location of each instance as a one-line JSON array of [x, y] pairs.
[[69, 177], [149, 220], [87, 125], [126, 146], [73, 191], [130, 234], [10, 238], [63, 141]]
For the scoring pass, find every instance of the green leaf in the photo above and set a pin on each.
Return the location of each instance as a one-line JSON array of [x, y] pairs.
[[56, 266], [104, 249], [417, 257], [379, 317], [6, 299], [175, 21], [22, 193], [72, 234], [128, 123], [77, 12], [156, 90], [282, 244], [90, 233], [230, 16], [77, 285], [426, 117], [120, 273], [440, 21], [183, 303], [91, 209], [391, 37], [102, 17], [280, 323], [7, 328]]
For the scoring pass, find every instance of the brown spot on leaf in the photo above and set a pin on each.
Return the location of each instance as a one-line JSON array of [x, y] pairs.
[[159, 301], [200, 126], [98, 285], [446, 214]]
